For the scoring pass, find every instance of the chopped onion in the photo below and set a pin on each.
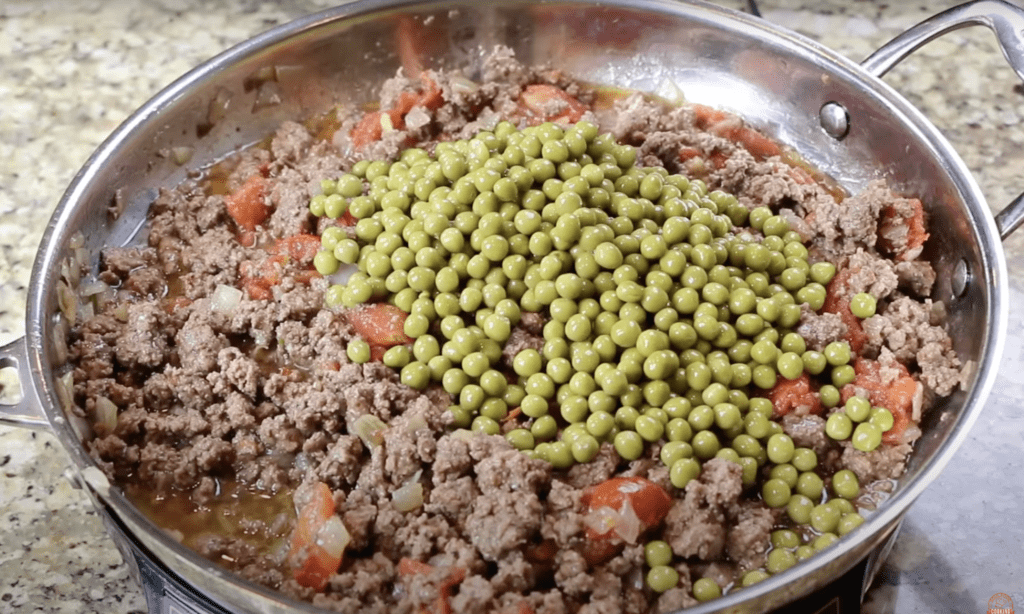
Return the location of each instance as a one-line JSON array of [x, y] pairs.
[[416, 423], [226, 298], [670, 91], [121, 312], [408, 497], [601, 520], [464, 85], [76, 240], [60, 346], [629, 526], [85, 311], [333, 537], [370, 429], [65, 390], [624, 522], [181, 155], [106, 415], [68, 302], [92, 286], [385, 123]]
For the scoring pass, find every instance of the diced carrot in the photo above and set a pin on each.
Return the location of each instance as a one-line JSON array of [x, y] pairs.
[[896, 396], [410, 567], [347, 219], [312, 564], [549, 103], [792, 394], [759, 146], [301, 247], [380, 324], [246, 205]]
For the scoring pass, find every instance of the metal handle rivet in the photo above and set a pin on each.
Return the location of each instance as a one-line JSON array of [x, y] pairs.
[[835, 120]]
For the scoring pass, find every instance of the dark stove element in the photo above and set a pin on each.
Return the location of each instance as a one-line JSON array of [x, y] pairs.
[[752, 7]]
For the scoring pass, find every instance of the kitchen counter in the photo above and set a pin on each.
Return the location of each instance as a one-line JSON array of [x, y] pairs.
[[72, 71]]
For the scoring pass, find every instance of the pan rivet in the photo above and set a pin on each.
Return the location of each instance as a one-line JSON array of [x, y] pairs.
[[835, 120], [961, 278]]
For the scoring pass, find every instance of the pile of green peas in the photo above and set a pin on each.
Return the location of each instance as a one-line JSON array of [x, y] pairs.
[[667, 306]]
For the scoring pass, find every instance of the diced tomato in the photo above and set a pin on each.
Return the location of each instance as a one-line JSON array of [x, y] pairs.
[[301, 247], [705, 116], [246, 206], [909, 219], [312, 564], [648, 501], [791, 394], [257, 280], [838, 302], [370, 127], [549, 103], [897, 396], [543, 552], [410, 567], [382, 325]]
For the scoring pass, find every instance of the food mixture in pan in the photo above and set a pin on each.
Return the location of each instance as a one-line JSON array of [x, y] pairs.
[[598, 353]]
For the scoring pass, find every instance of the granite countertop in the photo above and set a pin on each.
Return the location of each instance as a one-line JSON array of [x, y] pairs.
[[72, 71]]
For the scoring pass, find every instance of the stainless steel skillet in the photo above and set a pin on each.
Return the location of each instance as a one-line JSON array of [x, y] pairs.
[[778, 80]]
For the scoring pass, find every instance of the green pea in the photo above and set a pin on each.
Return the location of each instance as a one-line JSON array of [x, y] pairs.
[[397, 357], [776, 493], [863, 305], [706, 589], [824, 540], [829, 395], [857, 408], [843, 375], [544, 428], [866, 437], [799, 508], [845, 484], [705, 444], [810, 485], [661, 578], [753, 577], [804, 459], [882, 418], [599, 424], [780, 448], [785, 472], [784, 539], [651, 429], [824, 518], [848, 523], [415, 375], [683, 470], [779, 561], [521, 439], [657, 553], [629, 445], [837, 353], [838, 426]]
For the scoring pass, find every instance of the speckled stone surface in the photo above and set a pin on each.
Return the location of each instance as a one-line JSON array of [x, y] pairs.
[[70, 72]]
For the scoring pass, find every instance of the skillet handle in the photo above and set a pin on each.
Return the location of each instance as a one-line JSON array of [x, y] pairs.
[[19, 407], [1004, 19]]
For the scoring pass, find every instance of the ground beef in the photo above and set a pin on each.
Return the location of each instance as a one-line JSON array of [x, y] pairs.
[[257, 396]]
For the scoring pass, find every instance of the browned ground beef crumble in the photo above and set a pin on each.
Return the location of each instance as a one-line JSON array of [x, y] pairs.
[[263, 395]]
